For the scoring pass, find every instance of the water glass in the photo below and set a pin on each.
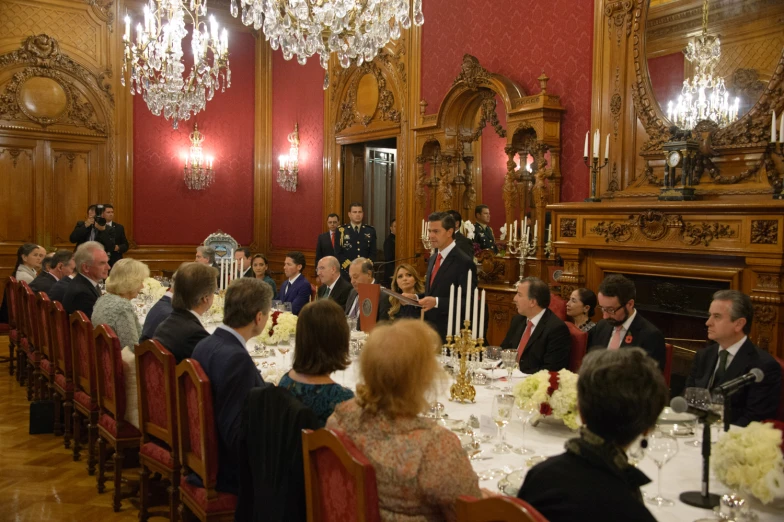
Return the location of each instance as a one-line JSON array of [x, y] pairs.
[[717, 407], [524, 414], [697, 398], [492, 356], [509, 357], [662, 447], [503, 404]]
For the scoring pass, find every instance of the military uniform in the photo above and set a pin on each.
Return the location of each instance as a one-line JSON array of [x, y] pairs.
[[352, 244], [483, 235]]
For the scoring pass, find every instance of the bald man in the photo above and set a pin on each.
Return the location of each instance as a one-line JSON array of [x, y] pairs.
[[332, 285]]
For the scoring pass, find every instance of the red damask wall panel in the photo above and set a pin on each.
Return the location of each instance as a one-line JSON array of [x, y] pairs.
[[298, 97], [519, 40], [166, 212], [666, 76], [493, 172]]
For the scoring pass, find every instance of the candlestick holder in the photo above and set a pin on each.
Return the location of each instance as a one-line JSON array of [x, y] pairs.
[[426, 242], [778, 149], [521, 249], [548, 247], [595, 168], [465, 349]]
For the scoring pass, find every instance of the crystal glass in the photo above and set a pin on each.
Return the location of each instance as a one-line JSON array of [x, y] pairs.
[[662, 447], [698, 398], [503, 404], [352, 323], [492, 356], [717, 406], [509, 357], [524, 414]]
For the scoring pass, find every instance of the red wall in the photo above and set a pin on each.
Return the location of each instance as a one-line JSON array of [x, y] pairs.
[[493, 171], [166, 212], [667, 76], [519, 40], [298, 97]]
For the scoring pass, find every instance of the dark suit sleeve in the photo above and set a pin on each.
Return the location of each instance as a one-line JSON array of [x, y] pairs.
[[85, 302], [696, 369], [107, 238], [653, 344], [80, 233], [559, 344], [238, 384], [319, 252], [120, 239], [373, 249], [301, 299], [514, 334], [762, 400]]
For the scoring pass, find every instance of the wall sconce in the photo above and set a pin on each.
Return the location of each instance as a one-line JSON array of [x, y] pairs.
[[289, 165], [198, 169]]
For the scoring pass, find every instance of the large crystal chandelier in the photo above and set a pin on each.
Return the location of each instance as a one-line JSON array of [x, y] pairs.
[[354, 29], [155, 59], [704, 97]]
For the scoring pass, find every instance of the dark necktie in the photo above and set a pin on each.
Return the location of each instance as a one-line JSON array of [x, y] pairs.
[[722, 369]]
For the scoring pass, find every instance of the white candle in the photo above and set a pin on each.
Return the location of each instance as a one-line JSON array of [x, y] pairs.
[[127, 36], [550, 233], [607, 148], [475, 317], [781, 129], [482, 315], [457, 310], [596, 138], [242, 267], [536, 231], [468, 298], [221, 274], [773, 128], [585, 149], [451, 310]]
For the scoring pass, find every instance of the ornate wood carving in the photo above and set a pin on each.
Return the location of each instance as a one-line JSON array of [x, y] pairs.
[[654, 225], [568, 227], [385, 110], [619, 15], [704, 233], [471, 73], [764, 232], [15, 153], [765, 316], [490, 269], [768, 281]]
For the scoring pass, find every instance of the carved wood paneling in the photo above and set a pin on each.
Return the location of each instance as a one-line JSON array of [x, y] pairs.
[[74, 168], [17, 193]]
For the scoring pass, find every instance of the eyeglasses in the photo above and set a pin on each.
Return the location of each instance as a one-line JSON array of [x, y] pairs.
[[609, 309]]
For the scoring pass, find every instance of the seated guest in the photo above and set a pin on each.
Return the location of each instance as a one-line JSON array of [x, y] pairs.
[[620, 394], [733, 355], [321, 349], [622, 326], [242, 256], [205, 255], [47, 261], [461, 241], [28, 262], [182, 330], [296, 288], [541, 339], [61, 264], [115, 309], [225, 359], [361, 271], [259, 266], [332, 285], [157, 314], [57, 291], [580, 308], [92, 266], [420, 466], [405, 281]]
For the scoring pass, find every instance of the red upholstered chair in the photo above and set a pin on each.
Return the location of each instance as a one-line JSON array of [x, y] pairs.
[[31, 354], [558, 306], [340, 482], [85, 403], [112, 427], [46, 365], [668, 349], [579, 346], [199, 446], [63, 386], [160, 447], [496, 509], [12, 292], [780, 415]]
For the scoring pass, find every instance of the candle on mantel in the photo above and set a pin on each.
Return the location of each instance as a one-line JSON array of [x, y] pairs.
[[475, 317], [451, 310], [482, 316], [536, 231], [468, 298], [773, 128], [585, 150], [596, 138], [607, 148], [550, 232], [781, 129], [457, 310]]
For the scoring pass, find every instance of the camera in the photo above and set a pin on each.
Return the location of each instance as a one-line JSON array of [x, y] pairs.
[[99, 219]]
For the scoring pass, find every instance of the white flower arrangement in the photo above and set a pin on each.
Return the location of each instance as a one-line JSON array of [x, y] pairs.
[[280, 325], [468, 229], [150, 286], [750, 459], [552, 394], [273, 374], [215, 313], [502, 231]]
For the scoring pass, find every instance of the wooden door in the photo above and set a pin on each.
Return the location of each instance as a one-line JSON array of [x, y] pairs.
[[353, 177]]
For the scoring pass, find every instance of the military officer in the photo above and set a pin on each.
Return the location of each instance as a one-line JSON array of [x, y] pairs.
[[483, 234], [356, 239]]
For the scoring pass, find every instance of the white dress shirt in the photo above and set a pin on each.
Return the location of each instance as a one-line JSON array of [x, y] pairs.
[[291, 282], [444, 253], [535, 320], [624, 328], [732, 351]]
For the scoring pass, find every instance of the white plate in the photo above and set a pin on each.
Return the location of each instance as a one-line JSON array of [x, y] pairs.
[[670, 417]]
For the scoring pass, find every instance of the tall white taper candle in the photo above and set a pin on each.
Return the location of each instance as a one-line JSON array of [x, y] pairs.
[[451, 309], [482, 316], [474, 320], [468, 298], [458, 324]]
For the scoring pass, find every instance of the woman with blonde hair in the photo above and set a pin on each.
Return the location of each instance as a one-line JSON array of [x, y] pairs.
[[420, 467], [114, 308], [406, 281]]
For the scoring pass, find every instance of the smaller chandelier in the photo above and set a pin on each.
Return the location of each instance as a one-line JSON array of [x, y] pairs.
[[198, 169], [289, 165]]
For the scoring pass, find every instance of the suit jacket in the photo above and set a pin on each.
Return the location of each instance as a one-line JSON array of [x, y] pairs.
[[324, 245], [642, 332], [43, 283], [297, 294], [80, 295], [464, 244], [382, 314], [57, 290], [548, 347], [81, 234], [180, 333], [757, 402], [114, 235], [340, 291], [159, 311], [232, 375], [453, 270]]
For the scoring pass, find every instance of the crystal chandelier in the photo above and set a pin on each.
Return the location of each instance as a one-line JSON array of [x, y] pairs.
[[198, 169], [289, 165], [704, 97], [155, 59], [354, 29]]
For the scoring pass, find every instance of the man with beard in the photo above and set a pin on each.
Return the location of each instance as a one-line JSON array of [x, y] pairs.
[[622, 326]]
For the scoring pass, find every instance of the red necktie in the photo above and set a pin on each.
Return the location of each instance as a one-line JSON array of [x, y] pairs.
[[332, 238], [615, 342], [436, 266], [524, 339]]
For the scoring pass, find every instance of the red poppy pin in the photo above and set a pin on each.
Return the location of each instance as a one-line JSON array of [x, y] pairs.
[[628, 339]]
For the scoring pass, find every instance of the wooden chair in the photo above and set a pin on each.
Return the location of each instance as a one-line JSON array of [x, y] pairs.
[[85, 403], [199, 446], [668, 350], [63, 386], [496, 509], [160, 448], [31, 354], [336, 469], [45, 381], [112, 427], [579, 346], [12, 292], [558, 306]]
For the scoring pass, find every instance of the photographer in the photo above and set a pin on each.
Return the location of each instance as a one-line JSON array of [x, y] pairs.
[[112, 235], [85, 230]]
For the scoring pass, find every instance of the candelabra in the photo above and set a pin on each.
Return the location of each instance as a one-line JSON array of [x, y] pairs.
[[289, 165], [426, 242], [595, 168], [778, 148], [465, 348], [521, 248], [548, 247], [198, 169]]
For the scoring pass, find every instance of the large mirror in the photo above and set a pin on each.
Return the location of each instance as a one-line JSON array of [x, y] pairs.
[[751, 36]]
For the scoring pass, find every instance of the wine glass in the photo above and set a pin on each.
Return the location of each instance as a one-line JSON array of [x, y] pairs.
[[352, 323], [698, 398], [509, 357], [717, 406], [662, 447], [284, 347], [492, 355], [524, 413], [501, 414]]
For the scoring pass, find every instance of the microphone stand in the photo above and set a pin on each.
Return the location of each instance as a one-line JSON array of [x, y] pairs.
[[703, 499]]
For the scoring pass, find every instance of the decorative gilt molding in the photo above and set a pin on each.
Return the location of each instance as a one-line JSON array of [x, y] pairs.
[[15, 153], [768, 281], [765, 232], [105, 11], [490, 269], [704, 233], [568, 227], [472, 74], [655, 225], [385, 111]]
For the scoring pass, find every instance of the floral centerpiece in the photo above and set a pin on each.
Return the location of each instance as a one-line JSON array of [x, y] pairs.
[[153, 288], [280, 325], [751, 460], [215, 313], [552, 394]]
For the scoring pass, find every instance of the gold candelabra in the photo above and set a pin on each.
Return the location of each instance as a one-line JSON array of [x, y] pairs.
[[464, 348], [522, 249], [595, 168]]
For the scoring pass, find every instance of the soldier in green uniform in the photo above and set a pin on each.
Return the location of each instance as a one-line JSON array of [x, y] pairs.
[[355, 239], [483, 234]]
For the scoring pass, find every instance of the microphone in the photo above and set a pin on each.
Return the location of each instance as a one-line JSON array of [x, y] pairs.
[[679, 405], [730, 387]]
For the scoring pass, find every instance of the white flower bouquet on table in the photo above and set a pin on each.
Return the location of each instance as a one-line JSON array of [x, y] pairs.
[[750, 459], [280, 326], [468, 229], [552, 394], [152, 288], [215, 313]]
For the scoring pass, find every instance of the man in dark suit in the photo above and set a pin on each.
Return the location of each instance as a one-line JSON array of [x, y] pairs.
[[182, 330], [296, 288], [112, 236], [325, 245], [57, 291], [232, 373], [242, 257], [157, 314], [92, 265], [355, 240], [483, 234], [361, 271], [61, 265], [85, 231], [733, 355], [448, 266], [389, 253], [622, 326], [332, 285], [463, 243], [541, 339]]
